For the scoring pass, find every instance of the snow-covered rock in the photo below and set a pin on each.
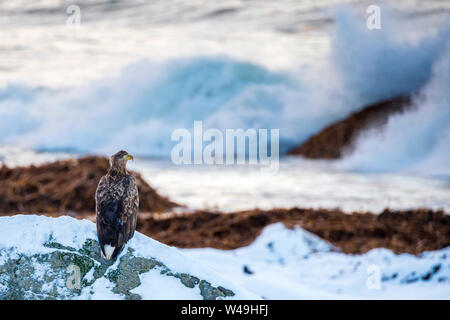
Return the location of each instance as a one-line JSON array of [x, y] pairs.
[[295, 264], [59, 258]]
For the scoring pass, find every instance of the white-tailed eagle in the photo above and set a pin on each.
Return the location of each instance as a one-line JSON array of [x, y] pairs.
[[116, 206]]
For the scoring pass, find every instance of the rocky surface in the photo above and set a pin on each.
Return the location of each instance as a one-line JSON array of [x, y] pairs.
[[49, 268], [64, 187], [337, 138], [19, 280], [412, 231]]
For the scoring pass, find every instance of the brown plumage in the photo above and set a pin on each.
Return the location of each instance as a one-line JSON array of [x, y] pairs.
[[116, 206]]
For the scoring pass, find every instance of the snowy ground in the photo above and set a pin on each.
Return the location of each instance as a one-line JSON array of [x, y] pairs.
[[295, 264], [279, 264], [27, 242]]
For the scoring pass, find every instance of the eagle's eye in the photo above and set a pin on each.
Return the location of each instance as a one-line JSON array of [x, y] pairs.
[[122, 155]]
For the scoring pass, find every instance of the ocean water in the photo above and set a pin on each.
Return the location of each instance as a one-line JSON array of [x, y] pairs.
[[133, 71], [297, 183]]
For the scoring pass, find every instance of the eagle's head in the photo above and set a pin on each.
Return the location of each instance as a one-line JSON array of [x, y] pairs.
[[119, 160]]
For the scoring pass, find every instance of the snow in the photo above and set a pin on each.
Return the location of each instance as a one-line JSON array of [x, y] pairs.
[[295, 264], [100, 290], [280, 264], [173, 289], [27, 234]]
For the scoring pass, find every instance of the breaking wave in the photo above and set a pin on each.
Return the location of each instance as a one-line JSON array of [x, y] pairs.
[[139, 109], [418, 140]]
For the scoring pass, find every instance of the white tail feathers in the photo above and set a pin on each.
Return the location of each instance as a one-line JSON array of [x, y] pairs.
[[109, 250]]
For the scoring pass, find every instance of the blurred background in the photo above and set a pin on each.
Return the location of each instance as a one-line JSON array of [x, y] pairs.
[[111, 75], [363, 114]]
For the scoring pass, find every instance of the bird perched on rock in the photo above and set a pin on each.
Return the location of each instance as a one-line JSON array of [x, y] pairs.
[[116, 206]]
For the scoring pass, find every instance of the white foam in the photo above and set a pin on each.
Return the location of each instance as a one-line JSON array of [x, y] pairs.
[[139, 108], [417, 141]]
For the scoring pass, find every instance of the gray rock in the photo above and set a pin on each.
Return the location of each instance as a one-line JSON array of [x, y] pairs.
[[54, 275]]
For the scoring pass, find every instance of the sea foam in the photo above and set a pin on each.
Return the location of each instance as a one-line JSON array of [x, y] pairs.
[[139, 109]]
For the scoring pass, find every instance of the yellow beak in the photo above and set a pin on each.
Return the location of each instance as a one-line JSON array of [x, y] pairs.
[[129, 157]]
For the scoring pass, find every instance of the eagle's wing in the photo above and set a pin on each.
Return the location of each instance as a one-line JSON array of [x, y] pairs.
[[117, 208], [130, 208]]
